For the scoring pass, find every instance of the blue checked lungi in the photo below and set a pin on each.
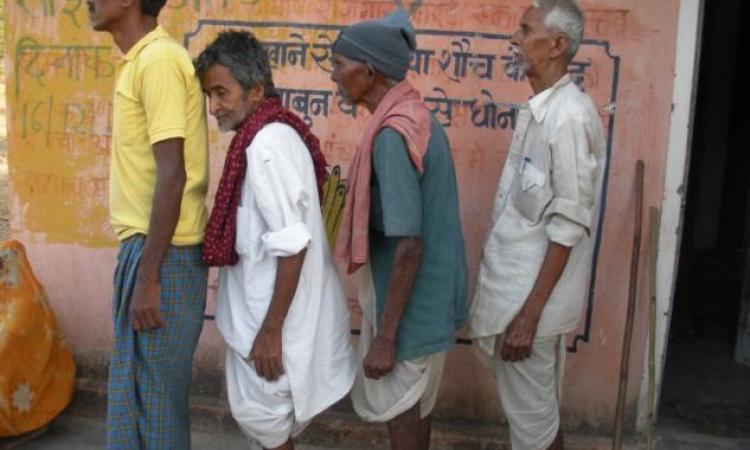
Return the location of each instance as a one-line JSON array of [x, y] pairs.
[[150, 371]]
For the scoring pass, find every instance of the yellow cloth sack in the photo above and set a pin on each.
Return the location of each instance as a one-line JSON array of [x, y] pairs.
[[37, 373]]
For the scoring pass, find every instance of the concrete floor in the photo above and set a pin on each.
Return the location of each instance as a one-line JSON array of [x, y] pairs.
[[676, 437], [69, 432], [705, 399]]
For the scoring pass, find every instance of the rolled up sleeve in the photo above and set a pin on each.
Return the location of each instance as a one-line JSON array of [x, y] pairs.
[[569, 214], [282, 200]]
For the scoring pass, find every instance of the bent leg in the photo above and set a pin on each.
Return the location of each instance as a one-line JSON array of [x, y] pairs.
[[557, 444], [288, 445], [529, 395], [404, 430], [425, 429], [263, 410]]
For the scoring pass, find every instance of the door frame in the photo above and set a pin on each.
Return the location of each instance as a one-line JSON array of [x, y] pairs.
[[689, 33]]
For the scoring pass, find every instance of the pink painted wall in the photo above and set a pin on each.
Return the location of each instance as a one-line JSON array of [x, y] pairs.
[[58, 110]]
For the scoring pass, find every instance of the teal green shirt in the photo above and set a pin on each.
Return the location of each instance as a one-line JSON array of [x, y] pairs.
[[406, 203]]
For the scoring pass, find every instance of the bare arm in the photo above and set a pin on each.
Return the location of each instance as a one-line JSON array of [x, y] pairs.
[[266, 349], [520, 333], [381, 357], [165, 212]]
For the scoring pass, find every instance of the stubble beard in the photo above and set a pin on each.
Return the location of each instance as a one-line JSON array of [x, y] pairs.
[[518, 66], [226, 125]]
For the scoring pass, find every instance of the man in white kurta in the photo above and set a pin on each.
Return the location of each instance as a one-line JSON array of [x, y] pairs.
[[278, 219], [279, 216], [536, 262]]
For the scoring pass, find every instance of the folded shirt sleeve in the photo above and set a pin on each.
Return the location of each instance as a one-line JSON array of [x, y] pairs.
[[281, 198], [570, 212]]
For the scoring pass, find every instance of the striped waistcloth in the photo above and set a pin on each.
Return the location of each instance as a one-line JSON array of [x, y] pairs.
[[150, 371]]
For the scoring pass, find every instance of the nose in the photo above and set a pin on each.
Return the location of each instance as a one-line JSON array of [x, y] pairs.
[[514, 39], [213, 105]]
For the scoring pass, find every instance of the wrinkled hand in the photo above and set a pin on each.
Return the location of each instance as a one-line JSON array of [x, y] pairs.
[[266, 354], [145, 305], [381, 357], [519, 336]]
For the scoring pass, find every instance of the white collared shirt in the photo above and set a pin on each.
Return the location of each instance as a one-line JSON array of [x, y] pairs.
[[279, 215], [548, 191]]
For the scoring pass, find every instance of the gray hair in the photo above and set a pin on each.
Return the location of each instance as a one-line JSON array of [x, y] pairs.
[[564, 16], [243, 55]]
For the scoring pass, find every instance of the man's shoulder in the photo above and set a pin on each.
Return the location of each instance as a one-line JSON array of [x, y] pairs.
[[164, 49], [388, 135], [438, 136], [572, 105], [275, 133], [387, 142], [273, 138]]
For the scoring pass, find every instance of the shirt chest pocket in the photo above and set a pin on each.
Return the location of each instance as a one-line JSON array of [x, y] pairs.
[[534, 192]]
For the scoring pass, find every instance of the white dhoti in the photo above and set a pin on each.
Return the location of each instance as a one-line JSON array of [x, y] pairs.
[[264, 410], [530, 391], [411, 381]]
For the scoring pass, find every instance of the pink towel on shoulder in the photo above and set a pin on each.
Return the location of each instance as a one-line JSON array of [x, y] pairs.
[[402, 110]]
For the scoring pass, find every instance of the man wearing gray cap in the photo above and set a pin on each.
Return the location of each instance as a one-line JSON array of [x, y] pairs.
[[401, 222]]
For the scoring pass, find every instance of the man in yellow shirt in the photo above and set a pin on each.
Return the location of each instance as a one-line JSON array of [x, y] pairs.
[[158, 179]]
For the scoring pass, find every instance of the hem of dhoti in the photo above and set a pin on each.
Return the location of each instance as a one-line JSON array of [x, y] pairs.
[[334, 398], [427, 395], [277, 440]]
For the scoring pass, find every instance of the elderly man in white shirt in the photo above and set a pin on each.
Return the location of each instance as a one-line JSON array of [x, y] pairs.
[[536, 262], [281, 307]]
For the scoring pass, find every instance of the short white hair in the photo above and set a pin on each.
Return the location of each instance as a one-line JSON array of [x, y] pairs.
[[564, 16]]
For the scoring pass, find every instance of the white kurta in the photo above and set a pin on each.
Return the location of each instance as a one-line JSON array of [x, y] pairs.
[[279, 215], [549, 192]]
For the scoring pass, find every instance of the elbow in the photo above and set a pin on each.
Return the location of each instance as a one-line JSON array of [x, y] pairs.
[[180, 181], [175, 180], [413, 248]]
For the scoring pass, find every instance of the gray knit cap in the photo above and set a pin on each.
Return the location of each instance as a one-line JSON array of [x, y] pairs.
[[385, 43]]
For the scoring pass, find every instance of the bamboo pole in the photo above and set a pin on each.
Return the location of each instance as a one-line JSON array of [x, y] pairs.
[[632, 294]]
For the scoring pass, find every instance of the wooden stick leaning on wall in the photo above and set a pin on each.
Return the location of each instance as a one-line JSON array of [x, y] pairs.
[[632, 295], [654, 224]]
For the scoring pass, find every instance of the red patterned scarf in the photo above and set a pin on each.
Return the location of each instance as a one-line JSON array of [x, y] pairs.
[[221, 231]]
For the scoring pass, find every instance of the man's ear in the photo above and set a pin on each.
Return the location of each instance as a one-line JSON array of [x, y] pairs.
[[257, 93], [371, 73], [559, 46], [128, 3]]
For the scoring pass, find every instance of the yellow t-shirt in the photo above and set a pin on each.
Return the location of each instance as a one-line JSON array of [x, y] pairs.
[[157, 97]]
